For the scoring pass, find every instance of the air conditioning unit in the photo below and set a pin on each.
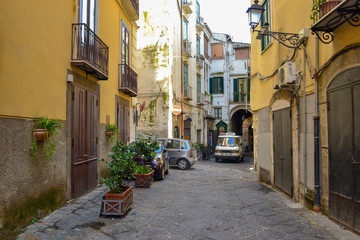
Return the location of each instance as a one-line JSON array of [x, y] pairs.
[[287, 73]]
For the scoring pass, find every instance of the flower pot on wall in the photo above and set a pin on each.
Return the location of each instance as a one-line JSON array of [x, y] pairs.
[[41, 134], [326, 7], [117, 204]]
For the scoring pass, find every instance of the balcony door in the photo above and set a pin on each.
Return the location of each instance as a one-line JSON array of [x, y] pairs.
[[88, 16]]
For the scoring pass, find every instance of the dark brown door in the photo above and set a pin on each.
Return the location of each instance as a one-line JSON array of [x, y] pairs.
[[84, 140], [123, 122], [283, 176], [344, 148]]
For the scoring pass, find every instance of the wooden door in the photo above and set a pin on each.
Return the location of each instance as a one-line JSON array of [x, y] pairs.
[[85, 107]]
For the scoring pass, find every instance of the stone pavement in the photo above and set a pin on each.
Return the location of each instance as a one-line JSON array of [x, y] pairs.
[[209, 201]]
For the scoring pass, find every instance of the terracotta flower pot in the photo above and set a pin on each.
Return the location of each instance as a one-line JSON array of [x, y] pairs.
[[144, 180], [109, 133], [41, 134], [117, 203]]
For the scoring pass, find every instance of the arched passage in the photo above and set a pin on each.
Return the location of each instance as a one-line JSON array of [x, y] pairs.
[[241, 124]]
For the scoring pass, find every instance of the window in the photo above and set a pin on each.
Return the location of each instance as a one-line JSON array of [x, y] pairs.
[[197, 46], [185, 30], [206, 47], [198, 80], [216, 51], [239, 89], [197, 12], [173, 144], [125, 45], [265, 18], [186, 79], [218, 112], [216, 85], [88, 13]]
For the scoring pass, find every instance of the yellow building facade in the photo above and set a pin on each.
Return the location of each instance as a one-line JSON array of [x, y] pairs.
[[295, 87], [73, 61]]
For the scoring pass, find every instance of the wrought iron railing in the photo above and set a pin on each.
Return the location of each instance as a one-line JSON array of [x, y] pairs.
[[187, 91], [322, 7], [127, 80], [187, 47], [135, 4], [89, 52]]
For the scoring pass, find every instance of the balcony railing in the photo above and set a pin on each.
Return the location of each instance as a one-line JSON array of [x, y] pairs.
[[187, 91], [132, 8], [323, 8], [187, 47], [89, 52], [201, 99], [200, 61], [127, 80], [199, 23]]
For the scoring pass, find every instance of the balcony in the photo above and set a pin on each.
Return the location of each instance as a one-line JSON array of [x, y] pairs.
[[186, 48], [201, 99], [199, 24], [131, 7], [127, 80], [88, 52], [186, 7], [187, 92], [200, 61]]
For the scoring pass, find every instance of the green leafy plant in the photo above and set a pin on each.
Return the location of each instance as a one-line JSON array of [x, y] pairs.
[[122, 167], [145, 146], [111, 132], [206, 93], [211, 98], [52, 128], [315, 9], [196, 147], [142, 169]]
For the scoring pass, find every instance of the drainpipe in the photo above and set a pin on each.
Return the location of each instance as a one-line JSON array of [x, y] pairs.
[[182, 70], [317, 204], [304, 117]]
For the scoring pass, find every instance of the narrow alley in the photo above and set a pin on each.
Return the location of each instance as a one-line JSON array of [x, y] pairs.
[[209, 201]]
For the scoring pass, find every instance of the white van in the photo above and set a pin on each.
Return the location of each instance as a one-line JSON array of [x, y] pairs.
[[229, 146]]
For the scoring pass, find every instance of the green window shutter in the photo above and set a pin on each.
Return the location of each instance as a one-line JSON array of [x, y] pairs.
[[248, 89], [221, 85], [211, 85], [236, 90]]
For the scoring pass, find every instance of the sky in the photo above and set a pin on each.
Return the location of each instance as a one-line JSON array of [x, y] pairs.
[[227, 16]]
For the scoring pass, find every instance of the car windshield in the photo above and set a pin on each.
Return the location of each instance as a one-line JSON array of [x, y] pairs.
[[228, 141]]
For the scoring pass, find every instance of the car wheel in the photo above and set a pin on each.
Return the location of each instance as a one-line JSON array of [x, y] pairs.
[[183, 164], [162, 176], [167, 169]]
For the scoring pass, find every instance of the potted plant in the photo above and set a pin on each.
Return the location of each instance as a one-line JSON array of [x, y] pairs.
[[111, 131], [322, 7], [144, 176], [122, 168], [144, 147], [45, 130]]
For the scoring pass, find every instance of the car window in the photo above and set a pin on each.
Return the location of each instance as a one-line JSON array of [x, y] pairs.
[[173, 144], [184, 145], [228, 141]]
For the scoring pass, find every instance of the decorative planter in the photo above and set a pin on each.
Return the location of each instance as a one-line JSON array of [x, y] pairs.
[[109, 133], [41, 134], [117, 204], [326, 7], [144, 180]]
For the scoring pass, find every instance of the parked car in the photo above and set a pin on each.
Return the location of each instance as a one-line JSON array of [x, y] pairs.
[[229, 146], [160, 163], [180, 152]]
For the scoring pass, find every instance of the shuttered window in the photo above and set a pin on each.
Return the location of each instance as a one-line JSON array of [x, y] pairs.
[[265, 18], [216, 85], [217, 51]]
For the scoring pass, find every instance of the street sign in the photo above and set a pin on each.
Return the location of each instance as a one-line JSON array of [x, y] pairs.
[[176, 110]]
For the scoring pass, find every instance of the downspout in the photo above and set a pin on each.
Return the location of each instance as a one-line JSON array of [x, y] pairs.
[[304, 118], [317, 204]]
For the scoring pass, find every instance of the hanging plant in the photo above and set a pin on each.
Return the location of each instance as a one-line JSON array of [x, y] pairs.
[[45, 131], [111, 132]]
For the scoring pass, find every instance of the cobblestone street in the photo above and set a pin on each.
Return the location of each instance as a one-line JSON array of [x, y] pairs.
[[208, 201]]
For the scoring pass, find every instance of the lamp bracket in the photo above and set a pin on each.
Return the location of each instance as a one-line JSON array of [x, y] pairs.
[[290, 40]]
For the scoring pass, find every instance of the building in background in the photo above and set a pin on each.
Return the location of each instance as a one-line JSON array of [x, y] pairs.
[[229, 87], [304, 97], [76, 62]]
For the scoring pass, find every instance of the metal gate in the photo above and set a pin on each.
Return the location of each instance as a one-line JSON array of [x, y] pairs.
[[85, 107], [283, 176], [344, 148]]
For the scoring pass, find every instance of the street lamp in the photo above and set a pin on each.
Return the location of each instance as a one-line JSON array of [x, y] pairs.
[[255, 12], [290, 40]]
